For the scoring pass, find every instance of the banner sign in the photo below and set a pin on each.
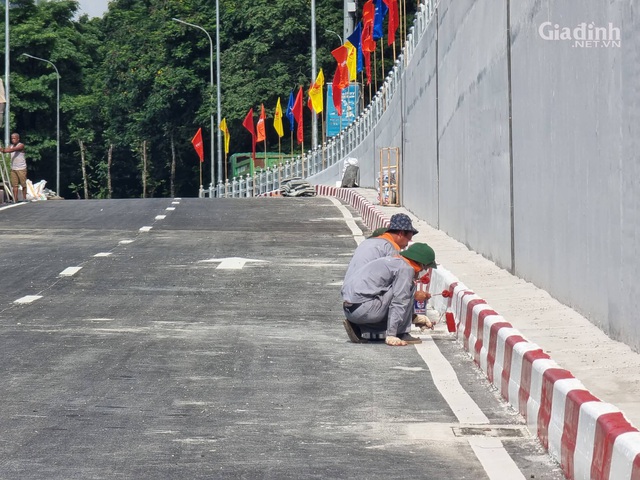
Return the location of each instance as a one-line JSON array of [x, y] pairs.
[[350, 109]]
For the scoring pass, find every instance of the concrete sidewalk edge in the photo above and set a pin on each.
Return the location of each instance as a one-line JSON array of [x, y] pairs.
[[588, 437]]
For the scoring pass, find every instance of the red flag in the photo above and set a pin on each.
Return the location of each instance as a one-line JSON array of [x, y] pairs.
[[248, 124], [262, 136], [197, 144], [367, 65], [393, 21], [341, 54], [297, 114], [368, 44], [336, 92]]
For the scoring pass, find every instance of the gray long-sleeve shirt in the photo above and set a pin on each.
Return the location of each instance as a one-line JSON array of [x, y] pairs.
[[370, 249], [376, 278]]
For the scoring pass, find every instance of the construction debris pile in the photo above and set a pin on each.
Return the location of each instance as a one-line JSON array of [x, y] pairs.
[[297, 187]]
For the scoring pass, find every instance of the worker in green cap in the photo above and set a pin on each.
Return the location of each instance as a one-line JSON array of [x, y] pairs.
[[378, 297]]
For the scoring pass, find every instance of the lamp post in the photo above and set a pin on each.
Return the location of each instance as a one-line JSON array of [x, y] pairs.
[[211, 79], [220, 177], [314, 123], [7, 131], [57, 118], [331, 31]]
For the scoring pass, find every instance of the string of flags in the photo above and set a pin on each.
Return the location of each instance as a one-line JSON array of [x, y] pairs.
[[352, 58]]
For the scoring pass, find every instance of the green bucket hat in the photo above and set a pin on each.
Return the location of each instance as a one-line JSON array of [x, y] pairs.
[[421, 253]]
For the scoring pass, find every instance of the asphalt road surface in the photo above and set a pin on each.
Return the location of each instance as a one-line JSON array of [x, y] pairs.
[[200, 339]]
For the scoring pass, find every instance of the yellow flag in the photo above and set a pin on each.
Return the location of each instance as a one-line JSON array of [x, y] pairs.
[[227, 137], [315, 92], [277, 119], [352, 61]]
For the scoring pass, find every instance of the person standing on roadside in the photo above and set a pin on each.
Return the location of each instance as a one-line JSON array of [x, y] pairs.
[[18, 166]]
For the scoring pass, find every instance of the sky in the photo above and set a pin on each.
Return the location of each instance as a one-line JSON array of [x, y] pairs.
[[93, 8]]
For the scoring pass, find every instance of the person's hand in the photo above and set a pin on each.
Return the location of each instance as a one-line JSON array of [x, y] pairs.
[[421, 296], [422, 321]]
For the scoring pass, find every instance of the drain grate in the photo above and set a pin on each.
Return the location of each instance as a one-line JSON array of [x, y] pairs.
[[497, 431]]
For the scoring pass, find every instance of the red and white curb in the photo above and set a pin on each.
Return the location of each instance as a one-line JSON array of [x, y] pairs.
[[591, 439]]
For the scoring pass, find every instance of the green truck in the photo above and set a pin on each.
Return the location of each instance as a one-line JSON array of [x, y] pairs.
[[240, 163]]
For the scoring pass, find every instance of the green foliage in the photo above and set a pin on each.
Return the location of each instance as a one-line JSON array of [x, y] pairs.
[[136, 75]]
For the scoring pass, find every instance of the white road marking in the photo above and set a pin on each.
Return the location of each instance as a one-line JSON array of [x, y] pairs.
[[494, 459], [125, 242], [232, 263], [70, 271], [170, 208], [175, 203], [490, 452], [160, 217], [103, 254], [409, 369], [357, 233], [145, 229], [11, 205], [28, 299], [446, 381]]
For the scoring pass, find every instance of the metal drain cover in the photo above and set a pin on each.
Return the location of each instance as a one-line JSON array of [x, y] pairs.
[[497, 431]]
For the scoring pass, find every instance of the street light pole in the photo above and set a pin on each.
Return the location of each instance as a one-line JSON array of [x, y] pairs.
[[211, 78], [220, 177], [314, 123], [336, 34], [57, 118], [7, 118]]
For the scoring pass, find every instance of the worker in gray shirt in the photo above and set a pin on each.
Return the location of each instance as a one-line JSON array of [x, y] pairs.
[[388, 243], [379, 295]]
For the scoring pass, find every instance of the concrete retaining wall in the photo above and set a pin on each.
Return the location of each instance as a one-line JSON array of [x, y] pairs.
[[525, 148]]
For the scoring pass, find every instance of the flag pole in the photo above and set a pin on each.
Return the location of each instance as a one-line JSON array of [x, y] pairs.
[[324, 139], [382, 55], [404, 7], [200, 175], [375, 69]]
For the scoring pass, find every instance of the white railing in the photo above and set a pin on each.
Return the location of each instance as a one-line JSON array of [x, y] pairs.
[[338, 147]]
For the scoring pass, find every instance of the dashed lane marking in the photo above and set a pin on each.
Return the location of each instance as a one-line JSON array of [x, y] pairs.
[[28, 299], [145, 229], [70, 271]]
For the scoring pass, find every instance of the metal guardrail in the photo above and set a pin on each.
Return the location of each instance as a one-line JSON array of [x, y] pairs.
[[338, 147]]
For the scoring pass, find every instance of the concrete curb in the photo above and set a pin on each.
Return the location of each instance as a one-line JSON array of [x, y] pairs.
[[591, 439]]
